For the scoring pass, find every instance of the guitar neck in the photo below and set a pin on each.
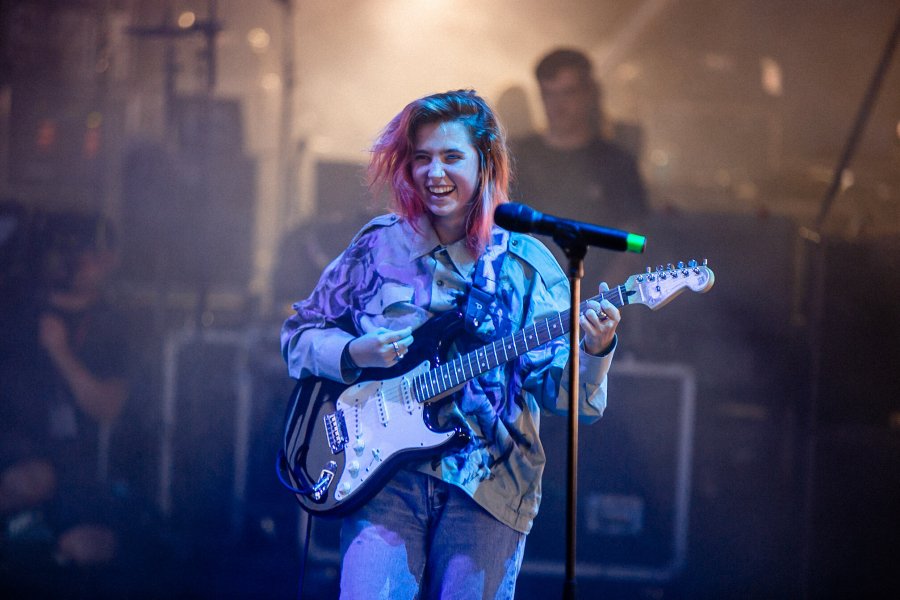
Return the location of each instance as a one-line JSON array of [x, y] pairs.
[[454, 373]]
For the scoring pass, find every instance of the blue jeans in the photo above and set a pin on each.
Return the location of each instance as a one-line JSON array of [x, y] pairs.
[[422, 538]]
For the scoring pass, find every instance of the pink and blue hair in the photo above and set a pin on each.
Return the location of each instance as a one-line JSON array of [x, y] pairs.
[[392, 154]]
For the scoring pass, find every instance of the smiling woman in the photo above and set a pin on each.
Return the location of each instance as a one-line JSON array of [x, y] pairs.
[[421, 518], [445, 171], [456, 126]]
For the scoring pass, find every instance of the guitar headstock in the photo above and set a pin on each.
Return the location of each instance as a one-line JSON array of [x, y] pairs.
[[658, 288]]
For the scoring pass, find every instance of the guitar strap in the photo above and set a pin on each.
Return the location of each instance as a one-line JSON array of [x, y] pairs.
[[481, 295]]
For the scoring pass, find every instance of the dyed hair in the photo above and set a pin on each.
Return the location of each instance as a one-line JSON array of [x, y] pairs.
[[393, 152]]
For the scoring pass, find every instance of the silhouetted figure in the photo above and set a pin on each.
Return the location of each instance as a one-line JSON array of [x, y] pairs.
[[570, 169], [63, 365]]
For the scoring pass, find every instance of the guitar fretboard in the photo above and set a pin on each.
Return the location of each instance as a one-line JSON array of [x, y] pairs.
[[468, 366]]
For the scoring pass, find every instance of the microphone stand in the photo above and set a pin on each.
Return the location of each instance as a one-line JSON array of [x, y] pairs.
[[573, 238], [575, 249]]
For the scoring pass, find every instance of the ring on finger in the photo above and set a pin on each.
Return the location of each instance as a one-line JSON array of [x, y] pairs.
[[397, 352], [603, 316]]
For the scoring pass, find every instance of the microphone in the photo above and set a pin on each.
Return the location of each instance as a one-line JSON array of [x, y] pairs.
[[524, 219]]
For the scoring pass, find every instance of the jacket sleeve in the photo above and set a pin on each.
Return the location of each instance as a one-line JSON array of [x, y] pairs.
[[313, 339], [545, 371]]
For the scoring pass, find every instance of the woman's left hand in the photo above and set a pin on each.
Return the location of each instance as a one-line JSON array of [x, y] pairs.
[[599, 323]]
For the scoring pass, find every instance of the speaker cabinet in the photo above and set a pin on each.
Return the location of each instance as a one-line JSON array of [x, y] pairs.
[[188, 219], [633, 480], [855, 524], [861, 337]]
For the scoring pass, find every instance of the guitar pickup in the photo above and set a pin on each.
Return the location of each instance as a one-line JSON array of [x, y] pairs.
[[336, 431], [381, 403], [406, 393]]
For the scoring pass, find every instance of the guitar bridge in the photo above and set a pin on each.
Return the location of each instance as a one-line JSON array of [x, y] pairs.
[[336, 431]]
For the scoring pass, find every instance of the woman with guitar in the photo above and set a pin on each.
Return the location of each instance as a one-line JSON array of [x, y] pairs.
[[431, 282]]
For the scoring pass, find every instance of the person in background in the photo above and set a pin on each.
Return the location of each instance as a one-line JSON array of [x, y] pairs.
[[64, 370], [571, 169], [454, 525]]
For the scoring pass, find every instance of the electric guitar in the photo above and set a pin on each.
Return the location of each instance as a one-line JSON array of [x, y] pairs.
[[342, 443]]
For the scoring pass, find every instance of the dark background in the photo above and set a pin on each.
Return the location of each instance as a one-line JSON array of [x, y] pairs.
[[234, 176]]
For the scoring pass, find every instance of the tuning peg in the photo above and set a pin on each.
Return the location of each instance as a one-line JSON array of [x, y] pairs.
[[693, 265]]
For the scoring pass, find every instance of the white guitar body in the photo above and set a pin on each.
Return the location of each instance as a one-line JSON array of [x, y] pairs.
[[383, 420]]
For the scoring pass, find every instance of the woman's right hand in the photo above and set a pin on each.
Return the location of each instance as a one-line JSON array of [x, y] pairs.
[[381, 347]]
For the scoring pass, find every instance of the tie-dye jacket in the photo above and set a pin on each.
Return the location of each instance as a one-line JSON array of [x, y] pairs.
[[391, 276]]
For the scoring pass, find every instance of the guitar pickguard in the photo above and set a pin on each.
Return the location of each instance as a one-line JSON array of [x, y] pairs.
[[382, 422]]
